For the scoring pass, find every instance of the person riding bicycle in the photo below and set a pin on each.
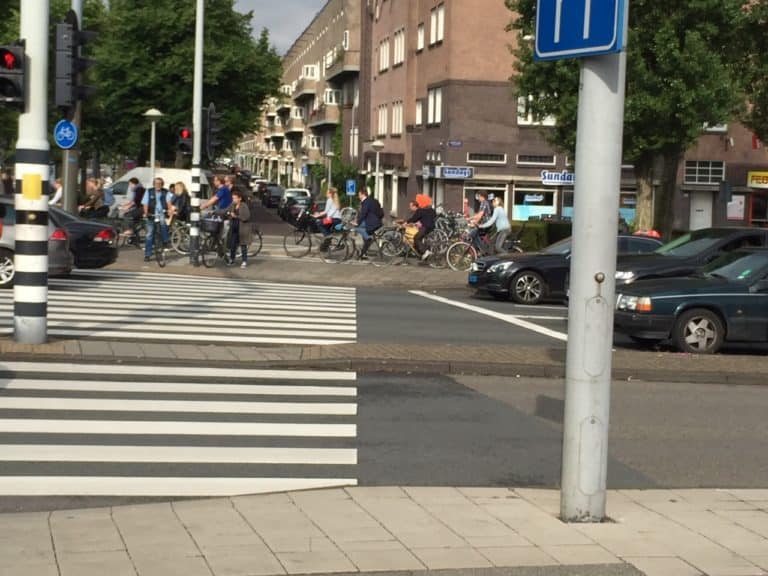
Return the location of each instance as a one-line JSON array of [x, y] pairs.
[[368, 219], [156, 202], [480, 217], [181, 202], [501, 221], [330, 217], [426, 216]]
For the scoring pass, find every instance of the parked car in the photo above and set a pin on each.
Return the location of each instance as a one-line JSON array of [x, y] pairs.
[[272, 195], [60, 260], [725, 301], [530, 277], [687, 253], [93, 244], [282, 210], [295, 205]]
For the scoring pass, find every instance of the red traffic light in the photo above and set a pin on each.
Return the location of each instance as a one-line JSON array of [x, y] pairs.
[[185, 133], [9, 60]]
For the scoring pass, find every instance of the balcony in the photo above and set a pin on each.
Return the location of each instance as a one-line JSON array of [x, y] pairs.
[[347, 64], [294, 126], [283, 105], [271, 111], [326, 115], [305, 88]]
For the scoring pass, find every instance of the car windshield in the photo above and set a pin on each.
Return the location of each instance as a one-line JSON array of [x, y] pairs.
[[738, 266], [692, 243], [561, 247]]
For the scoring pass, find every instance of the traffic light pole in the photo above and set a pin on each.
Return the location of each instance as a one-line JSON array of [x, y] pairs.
[[30, 292], [70, 159], [197, 131]]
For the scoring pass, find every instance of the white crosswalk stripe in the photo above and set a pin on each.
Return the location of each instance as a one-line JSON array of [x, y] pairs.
[[71, 429], [141, 306]]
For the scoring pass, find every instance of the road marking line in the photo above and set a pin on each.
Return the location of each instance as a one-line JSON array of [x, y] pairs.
[[176, 454], [172, 428], [178, 371], [186, 406], [174, 388], [151, 486], [508, 318]]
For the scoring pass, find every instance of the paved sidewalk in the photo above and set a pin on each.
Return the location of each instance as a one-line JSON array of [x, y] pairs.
[[657, 533]]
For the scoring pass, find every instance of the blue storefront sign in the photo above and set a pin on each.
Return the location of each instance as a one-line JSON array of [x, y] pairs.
[[456, 172]]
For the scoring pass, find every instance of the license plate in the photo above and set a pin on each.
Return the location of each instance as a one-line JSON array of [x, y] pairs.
[[473, 278]]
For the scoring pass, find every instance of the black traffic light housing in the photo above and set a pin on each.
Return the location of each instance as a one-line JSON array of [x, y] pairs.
[[185, 140], [212, 129], [69, 63], [12, 76]]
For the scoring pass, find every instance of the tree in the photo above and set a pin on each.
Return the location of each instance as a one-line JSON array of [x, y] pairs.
[[681, 75], [755, 69]]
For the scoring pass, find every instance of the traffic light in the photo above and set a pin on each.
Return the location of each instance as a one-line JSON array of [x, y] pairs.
[[212, 129], [70, 65], [185, 140], [12, 76]]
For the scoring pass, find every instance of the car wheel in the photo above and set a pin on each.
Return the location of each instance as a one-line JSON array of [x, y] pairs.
[[527, 287], [7, 270], [698, 331]]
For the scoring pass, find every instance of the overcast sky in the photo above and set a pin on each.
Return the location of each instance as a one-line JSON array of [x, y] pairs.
[[285, 19]]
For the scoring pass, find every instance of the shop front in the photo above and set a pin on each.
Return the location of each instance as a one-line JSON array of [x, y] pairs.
[[757, 206]]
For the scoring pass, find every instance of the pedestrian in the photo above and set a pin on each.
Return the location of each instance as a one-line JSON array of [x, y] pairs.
[[501, 221], [181, 202], [368, 219], [156, 203], [58, 193], [240, 229]]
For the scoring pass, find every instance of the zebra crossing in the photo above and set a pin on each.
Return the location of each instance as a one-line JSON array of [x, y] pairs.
[[90, 430], [136, 306]]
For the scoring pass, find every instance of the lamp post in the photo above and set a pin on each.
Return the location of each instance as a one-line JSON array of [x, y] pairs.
[[154, 115], [377, 146], [330, 156]]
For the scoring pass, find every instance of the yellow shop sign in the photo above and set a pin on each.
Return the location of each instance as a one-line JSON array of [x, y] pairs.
[[757, 179]]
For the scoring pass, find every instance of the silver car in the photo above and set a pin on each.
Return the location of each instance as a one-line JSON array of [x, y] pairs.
[[60, 261]]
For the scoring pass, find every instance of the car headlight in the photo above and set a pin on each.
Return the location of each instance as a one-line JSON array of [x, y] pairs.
[[633, 303], [500, 266], [475, 267], [625, 276]]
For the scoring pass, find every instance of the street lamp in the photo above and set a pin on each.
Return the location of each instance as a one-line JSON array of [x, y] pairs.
[[154, 115], [330, 156], [377, 146]]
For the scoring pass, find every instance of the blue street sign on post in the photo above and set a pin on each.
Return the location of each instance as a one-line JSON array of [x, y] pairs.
[[65, 134], [351, 187], [579, 28]]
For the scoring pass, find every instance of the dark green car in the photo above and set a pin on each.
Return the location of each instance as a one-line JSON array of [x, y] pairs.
[[726, 301]]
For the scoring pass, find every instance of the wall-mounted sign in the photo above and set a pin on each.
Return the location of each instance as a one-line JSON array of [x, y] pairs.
[[455, 143], [564, 178], [757, 179], [455, 172], [534, 198]]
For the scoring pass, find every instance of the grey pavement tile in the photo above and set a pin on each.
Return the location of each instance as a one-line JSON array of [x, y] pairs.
[[95, 348], [25, 534], [488, 495], [72, 348], [243, 561], [156, 350], [91, 530], [721, 563], [761, 561], [470, 521], [750, 495], [518, 556], [376, 492], [317, 561], [217, 353], [126, 350], [96, 563], [186, 351], [670, 566], [216, 523], [169, 563], [581, 555], [451, 558], [384, 560], [436, 494], [13, 566], [153, 528], [624, 541]]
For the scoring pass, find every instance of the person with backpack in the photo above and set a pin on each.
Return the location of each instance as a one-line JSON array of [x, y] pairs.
[[156, 202], [369, 219]]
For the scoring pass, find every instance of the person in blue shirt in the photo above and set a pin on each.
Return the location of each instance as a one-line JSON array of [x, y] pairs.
[[368, 219], [156, 202], [222, 198]]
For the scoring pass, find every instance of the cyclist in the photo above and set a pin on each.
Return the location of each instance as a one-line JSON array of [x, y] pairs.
[[181, 202], [425, 216], [368, 219], [330, 216], [156, 202], [501, 221]]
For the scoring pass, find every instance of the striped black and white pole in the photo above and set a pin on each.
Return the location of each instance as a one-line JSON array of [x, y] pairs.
[[194, 218], [197, 132], [30, 291]]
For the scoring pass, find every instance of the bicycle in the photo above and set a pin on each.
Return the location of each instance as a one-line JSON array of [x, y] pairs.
[[212, 247], [131, 232], [402, 245], [161, 246], [462, 254], [298, 242]]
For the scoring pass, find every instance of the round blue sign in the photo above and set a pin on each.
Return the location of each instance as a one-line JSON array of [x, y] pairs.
[[65, 134]]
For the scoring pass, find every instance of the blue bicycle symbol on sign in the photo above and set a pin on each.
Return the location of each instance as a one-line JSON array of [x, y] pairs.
[[65, 134]]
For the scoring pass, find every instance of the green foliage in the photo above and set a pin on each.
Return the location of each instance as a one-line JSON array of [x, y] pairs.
[[755, 66]]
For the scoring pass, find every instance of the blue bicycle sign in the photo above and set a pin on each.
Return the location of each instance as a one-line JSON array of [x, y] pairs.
[[65, 134]]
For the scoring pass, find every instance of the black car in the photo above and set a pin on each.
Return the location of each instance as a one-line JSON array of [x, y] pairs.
[[272, 195], [687, 253], [725, 301], [92, 243], [530, 277]]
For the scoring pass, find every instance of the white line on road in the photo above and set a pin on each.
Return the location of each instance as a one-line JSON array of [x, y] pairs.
[[150, 486], [508, 318]]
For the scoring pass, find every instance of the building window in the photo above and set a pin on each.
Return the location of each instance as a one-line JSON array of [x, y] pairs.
[[309, 71], [354, 139], [345, 40], [419, 112], [434, 106], [314, 142], [536, 160], [525, 113], [436, 24], [381, 127], [297, 112], [704, 172], [420, 37], [399, 49], [332, 97], [482, 158], [384, 55], [397, 118]]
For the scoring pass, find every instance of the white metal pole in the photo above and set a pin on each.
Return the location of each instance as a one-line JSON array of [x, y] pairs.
[[376, 179], [197, 132], [152, 160], [30, 293], [592, 287]]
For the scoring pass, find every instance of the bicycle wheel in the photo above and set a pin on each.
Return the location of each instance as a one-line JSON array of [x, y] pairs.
[[348, 214], [160, 254], [393, 244], [337, 250], [297, 243], [209, 252], [375, 253], [180, 239], [256, 241], [460, 256]]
